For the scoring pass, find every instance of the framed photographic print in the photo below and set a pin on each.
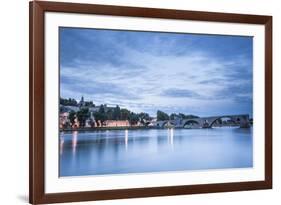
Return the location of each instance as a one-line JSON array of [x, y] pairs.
[[139, 102]]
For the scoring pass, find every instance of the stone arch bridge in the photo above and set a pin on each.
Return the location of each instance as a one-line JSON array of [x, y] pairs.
[[205, 122]]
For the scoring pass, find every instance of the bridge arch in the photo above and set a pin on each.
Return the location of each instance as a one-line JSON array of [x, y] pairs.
[[190, 123], [234, 119]]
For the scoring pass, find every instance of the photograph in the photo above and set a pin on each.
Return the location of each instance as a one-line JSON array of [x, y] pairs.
[[137, 102], [132, 102]]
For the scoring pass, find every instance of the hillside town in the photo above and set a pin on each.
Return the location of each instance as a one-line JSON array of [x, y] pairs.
[[85, 114]]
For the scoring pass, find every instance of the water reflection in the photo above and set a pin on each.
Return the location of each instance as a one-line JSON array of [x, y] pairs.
[[126, 139], [171, 137], [61, 143], [130, 151], [74, 141]]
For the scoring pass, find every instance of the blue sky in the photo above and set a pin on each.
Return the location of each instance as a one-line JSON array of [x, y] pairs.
[[148, 71]]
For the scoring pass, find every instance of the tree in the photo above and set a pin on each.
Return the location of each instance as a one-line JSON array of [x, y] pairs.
[[89, 104], [143, 117], [101, 115], [98, 118], [82, 115], [67, 124], [133, 118], [72, 116], [110, 114], [173, 116], [68, 102], [102, 109], [117, 113], [181, 115], [162, 115], [124, 114]]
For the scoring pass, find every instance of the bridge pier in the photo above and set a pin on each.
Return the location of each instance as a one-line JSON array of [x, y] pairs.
[[245, 124]]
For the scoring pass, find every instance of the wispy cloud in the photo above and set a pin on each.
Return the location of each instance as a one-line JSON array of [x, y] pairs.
[[180, 93]]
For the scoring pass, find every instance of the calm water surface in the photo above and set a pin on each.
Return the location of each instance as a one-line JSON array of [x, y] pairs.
[[154, 150]]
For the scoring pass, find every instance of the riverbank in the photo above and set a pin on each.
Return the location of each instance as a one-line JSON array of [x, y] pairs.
[[130, 128], [107, 128]]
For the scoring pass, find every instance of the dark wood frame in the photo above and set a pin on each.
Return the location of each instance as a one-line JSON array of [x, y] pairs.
[[37, 194]]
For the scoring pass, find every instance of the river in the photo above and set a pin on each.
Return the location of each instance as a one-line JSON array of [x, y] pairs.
[[154, 150]]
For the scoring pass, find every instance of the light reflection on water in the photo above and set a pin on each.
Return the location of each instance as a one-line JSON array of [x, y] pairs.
[[74, 141], [126, 139], [154, 150]]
